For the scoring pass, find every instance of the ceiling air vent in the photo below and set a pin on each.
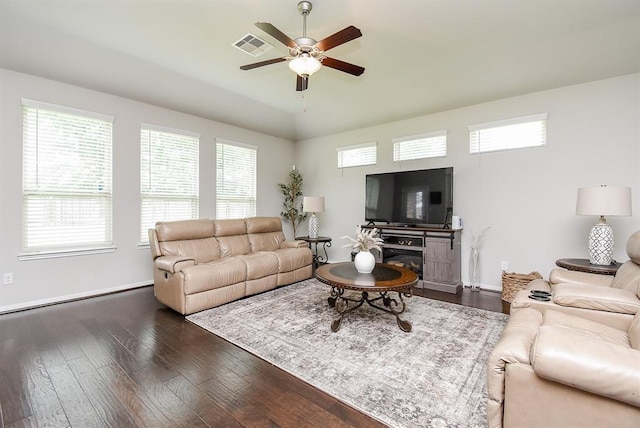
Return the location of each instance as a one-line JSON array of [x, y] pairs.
[[252, 45]]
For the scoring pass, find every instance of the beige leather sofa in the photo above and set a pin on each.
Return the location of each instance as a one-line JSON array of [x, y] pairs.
[[552, 369], [612, 300], [199, 264]]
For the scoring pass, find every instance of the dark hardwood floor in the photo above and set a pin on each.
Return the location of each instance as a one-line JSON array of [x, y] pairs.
[[125, 360]]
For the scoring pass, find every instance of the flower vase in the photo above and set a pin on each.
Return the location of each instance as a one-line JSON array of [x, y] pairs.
[[474, 269], [364, 261]]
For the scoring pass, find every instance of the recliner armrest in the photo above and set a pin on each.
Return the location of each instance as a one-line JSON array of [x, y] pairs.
[[580, 361], [294, 244], [173, 264], [562, 275], [597, 298]]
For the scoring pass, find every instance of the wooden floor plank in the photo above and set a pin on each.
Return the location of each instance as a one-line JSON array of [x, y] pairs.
[[125, 360]]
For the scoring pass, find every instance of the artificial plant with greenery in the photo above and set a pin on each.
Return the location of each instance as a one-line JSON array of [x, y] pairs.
[[291, 208]]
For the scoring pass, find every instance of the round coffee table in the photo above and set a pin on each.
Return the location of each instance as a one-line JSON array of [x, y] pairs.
[[383, 280]]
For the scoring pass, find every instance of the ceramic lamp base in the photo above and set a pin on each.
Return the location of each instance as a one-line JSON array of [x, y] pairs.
[[601, 244], [313, 226]]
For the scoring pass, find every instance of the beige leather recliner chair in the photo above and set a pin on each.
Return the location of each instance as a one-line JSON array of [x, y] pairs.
[[612, 300], [552, 369]]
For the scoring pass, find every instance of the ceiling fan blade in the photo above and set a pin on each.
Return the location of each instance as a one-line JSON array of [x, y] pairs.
[[262, 63], [343, 36], [276, 34], [356, 70], [302, 83]]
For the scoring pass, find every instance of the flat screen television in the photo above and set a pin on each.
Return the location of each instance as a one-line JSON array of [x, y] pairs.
[[421, 198]]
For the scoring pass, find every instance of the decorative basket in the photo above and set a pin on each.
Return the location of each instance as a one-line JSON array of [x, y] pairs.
[[513, 282]]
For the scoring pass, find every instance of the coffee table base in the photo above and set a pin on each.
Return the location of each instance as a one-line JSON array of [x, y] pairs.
[[391, 305]]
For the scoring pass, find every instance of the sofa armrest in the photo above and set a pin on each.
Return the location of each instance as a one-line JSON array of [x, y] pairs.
[[590, 364], [513, 347], [174, 264], [563, 275], [597, 298], [294, 244]]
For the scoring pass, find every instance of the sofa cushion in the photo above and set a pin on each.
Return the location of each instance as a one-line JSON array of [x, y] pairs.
[[634, 332], [628, 277], [269, 241], [259, 265], [237, 245], [201, 250], [263, 224], [229, 227], [216, 274], [598, 298], [184, 230], [290, 259], [585, 327]]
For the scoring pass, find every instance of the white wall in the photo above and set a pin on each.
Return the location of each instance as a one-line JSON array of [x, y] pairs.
[[526, 196], [43, 281]]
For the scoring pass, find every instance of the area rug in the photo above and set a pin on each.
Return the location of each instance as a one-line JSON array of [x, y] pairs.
[[433, 376]]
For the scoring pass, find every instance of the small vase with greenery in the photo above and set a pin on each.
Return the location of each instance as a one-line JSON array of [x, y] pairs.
[[365, 241], [291, 208]]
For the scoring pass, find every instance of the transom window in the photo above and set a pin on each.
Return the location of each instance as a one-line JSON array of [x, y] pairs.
[[516, 133], [431, 145], [66, 178], [357, 155], [169, 176]]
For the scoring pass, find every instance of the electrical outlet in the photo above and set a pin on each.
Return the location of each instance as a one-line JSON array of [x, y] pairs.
[[504, 265], [7, 278]]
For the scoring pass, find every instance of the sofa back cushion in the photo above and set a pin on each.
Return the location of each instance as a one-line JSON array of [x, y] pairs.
[[232, 237], [265, 233], [628, 277], [188, 238]]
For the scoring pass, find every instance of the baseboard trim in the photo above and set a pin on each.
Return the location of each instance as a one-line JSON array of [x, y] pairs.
[[71, 297]]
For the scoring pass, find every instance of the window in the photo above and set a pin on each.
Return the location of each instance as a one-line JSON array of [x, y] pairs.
[[236, 166], [358, 155], [431, 145], [169, 176], [517, 133], [66, 179]]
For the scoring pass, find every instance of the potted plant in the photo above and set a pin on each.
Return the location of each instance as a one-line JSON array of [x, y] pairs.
[[291, 208], [364, 242]]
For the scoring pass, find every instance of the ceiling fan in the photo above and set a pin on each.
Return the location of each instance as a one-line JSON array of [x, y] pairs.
[[307, 55]]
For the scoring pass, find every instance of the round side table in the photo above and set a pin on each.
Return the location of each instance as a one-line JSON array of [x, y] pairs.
[[583, 265]]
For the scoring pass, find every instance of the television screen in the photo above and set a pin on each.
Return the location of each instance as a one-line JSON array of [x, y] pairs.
[[421, 197]]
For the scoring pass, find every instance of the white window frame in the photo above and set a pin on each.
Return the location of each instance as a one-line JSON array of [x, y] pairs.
[[422, 146], [168, 185], [69, 230], [357, 155], [231, 191], [510, 134]]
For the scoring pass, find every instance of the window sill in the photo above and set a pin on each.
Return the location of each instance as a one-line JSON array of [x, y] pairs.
[[40, 255]]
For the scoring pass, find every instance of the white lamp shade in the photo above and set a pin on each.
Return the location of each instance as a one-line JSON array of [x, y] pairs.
[[304, 65], [313, 204], [604, 201]]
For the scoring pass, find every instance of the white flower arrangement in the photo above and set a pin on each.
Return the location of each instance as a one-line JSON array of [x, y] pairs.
[[366, 240]]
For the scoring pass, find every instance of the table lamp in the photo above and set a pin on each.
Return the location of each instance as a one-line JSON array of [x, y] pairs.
[[603, 201], [313, 205]]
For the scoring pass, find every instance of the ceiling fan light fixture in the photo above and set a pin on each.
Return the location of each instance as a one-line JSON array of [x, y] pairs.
[[304, 65]]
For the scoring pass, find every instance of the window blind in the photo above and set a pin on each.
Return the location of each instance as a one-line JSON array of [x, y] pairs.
[[357, 155], [431, 145], [169, 176], [516, 133], [67, 170], [236, 172]]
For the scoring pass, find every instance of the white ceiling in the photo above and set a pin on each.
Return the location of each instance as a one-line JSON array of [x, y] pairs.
[[421, 56]]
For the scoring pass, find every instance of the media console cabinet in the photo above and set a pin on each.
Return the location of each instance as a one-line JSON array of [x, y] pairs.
[[434, 254]]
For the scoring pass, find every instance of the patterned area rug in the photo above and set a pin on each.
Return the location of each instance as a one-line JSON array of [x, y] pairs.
[[433, 376]]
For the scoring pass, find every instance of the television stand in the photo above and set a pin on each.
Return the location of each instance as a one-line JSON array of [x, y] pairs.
[[434, 254]]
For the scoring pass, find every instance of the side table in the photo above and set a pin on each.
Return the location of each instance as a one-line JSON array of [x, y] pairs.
[[583, 265], [318, 258]]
